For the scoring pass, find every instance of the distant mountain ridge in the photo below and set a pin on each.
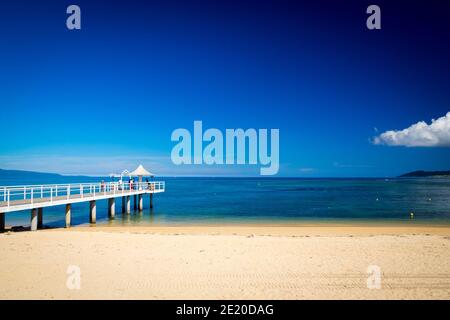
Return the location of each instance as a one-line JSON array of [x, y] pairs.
[[24, 177], [15, 173], [422, 173]]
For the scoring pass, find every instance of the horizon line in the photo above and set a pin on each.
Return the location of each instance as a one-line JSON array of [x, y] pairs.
[[215, 176]]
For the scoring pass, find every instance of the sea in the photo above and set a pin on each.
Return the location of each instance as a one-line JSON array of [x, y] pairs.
[[196, 201]]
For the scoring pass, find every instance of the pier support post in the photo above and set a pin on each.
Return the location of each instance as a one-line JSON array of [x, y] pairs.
[[93, 212], [151, 200], [123, 204], [68, 215], [111, 207], [2, 222], [135, 203], [128, 204], [40, 218], [34, 220], [141, 202]]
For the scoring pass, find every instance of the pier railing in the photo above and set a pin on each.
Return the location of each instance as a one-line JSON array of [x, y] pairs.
[[55, 192]]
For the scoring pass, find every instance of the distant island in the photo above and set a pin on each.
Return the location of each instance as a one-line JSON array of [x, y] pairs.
[[422, 173], [22, 177], [19, 173]]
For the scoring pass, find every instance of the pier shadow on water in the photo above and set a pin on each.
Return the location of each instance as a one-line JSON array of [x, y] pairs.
[[54, 217]]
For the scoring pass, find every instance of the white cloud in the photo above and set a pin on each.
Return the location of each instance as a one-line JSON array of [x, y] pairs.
[[83, 165], [420, 134], [104, 165], [307, 170], [341, 165]]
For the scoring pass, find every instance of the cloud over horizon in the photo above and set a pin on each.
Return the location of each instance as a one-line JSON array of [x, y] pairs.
[[102, 166], [420, 134]]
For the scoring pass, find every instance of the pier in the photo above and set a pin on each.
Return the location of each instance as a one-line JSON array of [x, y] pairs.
[[37, 197]]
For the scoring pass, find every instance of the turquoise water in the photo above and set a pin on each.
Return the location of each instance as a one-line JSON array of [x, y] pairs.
[[234, 200]]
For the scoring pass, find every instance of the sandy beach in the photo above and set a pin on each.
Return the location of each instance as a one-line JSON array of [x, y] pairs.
[[227, 262]]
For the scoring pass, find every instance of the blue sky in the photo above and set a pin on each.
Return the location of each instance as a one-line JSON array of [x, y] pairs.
[[107, 97]]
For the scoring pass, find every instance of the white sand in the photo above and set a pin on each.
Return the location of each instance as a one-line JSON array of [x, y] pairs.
[[226, 263]]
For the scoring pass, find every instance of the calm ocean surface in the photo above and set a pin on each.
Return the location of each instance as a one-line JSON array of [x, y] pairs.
[[235, 200]]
